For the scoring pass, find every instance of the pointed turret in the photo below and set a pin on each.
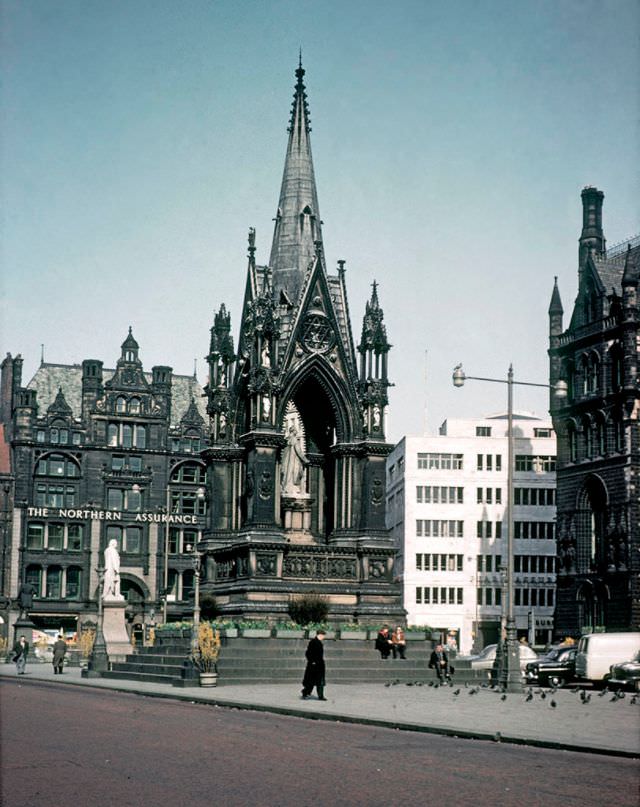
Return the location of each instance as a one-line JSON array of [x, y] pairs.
[[298, 224], [374, 349], [555, 310]]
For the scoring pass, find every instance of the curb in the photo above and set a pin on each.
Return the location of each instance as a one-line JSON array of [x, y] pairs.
[[333, 717]]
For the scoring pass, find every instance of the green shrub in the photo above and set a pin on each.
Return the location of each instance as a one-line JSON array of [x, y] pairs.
[[306, 608]]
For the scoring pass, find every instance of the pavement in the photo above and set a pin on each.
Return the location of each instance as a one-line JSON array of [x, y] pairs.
[[559, 719]]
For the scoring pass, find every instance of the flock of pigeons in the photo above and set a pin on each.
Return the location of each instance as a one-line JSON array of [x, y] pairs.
[[585, 697]]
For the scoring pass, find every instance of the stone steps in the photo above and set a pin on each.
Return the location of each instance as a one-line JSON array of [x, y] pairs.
[[273, 660]]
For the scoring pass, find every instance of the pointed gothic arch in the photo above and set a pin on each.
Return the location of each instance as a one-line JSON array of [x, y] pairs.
[[591, 520]]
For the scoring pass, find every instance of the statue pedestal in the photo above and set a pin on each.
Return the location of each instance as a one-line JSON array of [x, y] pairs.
[[114, 629], [23, 626], [296, 512]]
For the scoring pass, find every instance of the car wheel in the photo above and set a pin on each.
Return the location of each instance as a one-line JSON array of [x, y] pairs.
[[556, 681]]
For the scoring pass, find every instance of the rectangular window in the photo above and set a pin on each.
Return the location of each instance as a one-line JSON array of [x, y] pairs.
[[35, 536], [479, 466], [498, 563], [117, 462], [498, 462], [534, 596], [489, 462], [434, 596], [443, 563], [452, 596], [54, 582], [132, 540], [479, 595], [541, 432], [73, 583], [478, 495], [115, 498], [174, 541], [419, 595], [479, 529], [443, 595], [517, 596], [427, 563], [525, 596], [479, 563], [488, 496], [498, 596], [498, 529], [488, 529], [483, 431], [419, 527], [517, 563], [440, 462], [498, 495], [489, 563], [550, 597], [55, 537], [459, 563], [427, 595], [459, 596], [488, 595], [74, 537]]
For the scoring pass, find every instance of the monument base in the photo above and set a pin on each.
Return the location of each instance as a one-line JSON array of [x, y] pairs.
[[114, 629], [297, 519]]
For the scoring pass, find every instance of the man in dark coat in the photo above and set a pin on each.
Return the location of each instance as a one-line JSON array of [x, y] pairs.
[[59, 652], [439, 661], [383, 642], [314, 672]]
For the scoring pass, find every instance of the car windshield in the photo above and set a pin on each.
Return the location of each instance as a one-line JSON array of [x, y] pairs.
[[552, 655], [488, 650]]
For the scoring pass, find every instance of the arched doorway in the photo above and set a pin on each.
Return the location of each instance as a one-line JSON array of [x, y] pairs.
[[591, 599]]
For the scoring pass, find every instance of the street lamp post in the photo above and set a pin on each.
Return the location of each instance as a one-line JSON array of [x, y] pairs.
[[197, 569], [165, 568], [509, 672]]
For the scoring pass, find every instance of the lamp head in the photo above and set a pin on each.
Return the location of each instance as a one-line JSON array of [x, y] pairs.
[[458, 376], [561, 389]]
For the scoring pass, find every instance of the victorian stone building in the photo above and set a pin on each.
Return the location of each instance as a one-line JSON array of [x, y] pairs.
[[296, 465], [89, 454], [598, 434]]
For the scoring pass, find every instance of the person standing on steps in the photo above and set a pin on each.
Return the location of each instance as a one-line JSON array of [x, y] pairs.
[[315, 670]]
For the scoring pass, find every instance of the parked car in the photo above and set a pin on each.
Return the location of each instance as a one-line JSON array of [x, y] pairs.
[[555, 668], [597, 652], [485, 659], [626, 673]]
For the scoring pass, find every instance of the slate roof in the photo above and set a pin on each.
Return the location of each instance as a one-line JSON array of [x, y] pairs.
[[50, 378], [611, 268]]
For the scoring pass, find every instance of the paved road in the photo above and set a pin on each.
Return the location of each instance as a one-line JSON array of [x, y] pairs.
[[94, 748]]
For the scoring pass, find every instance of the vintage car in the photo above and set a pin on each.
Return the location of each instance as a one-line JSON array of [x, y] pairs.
[[626, 673], [485, 659], [556, 668]]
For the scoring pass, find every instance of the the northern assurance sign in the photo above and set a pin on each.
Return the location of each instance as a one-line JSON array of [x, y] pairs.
[[84, 514]]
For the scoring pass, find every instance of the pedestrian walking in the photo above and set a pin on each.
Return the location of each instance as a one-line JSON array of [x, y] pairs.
[[59, 652], [20, 653], [398, 643], [439, 661], [314, 674]]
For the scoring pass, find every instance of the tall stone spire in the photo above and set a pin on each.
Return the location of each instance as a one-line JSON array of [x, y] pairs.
[[298, 224]]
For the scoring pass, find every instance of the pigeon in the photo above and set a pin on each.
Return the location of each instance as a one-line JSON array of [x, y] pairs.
[[586, 698], [583, 695], [503, 698], [633, 700], [388, 684], [620, 694], [473, 691], [603, 693], [553, 704], [457, 692], [543, 694], [430, 683], [529, 696]]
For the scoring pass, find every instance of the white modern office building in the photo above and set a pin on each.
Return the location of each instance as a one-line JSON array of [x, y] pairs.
[[446, 500]]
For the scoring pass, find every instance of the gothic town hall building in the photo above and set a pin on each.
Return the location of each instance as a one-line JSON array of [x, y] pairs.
[[598, 433]]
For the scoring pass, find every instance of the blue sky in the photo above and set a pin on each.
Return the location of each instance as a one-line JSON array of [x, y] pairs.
[[451, 141]]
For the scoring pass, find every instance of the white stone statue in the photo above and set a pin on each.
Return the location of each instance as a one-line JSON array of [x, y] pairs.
[[294, 461], [266, 354], [111, 586], [266, 407]]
